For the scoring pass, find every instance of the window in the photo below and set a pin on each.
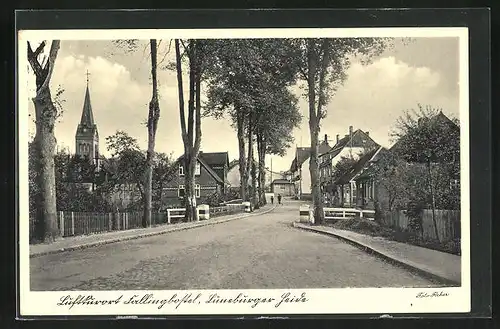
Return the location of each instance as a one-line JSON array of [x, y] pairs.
[[455, 184], [180, 191], [181, 171], [197, 190], [197, 169]]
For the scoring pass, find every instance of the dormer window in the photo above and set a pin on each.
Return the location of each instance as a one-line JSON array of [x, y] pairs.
[[197, 169]]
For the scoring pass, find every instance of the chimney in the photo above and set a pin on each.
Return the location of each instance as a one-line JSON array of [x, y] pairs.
[[326, 138], [367, 133], [337, 138]]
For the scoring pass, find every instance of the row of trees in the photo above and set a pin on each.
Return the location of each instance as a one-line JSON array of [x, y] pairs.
[[247, 80], [82, 186]]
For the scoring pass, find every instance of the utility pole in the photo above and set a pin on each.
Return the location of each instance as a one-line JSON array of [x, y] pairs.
[[300, 172]]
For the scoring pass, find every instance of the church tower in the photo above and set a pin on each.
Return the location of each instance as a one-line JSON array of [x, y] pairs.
[[87, 137]]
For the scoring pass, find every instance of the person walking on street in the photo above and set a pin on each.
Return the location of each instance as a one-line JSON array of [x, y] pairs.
[[279, 198], [272, 199]]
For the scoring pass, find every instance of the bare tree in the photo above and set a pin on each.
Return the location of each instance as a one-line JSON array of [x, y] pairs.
[[153, 117], [152, 122], [45, 142]]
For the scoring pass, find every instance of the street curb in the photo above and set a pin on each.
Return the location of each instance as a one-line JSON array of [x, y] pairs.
[[403, 263], [145, 235]]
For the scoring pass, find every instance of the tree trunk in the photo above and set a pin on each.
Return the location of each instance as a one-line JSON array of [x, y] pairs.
[[433, 197], [45, 142], [189, 191], [251, 195], [193, 140], [242, 160], [254, 186], [154, 115], [314, 118], [261, 149]]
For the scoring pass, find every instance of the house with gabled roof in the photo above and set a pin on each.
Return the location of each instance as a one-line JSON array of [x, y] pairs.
[[367, 189], [210, 178], [234, 178], [348, 191], [352, 145], [370, 190], [300, 174]]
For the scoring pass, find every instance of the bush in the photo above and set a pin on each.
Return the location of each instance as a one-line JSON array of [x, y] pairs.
[[362, 225], [232, 194], [414, 211], [214, 200]]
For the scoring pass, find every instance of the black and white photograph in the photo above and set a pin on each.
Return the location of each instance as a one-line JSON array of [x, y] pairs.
[[244, 171]]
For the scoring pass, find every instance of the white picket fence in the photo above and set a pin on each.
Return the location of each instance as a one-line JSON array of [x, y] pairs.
[[179, 213], [175, 213], [305, 213], [342, 213]]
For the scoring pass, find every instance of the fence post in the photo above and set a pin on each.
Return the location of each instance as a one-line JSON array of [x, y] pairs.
[[117, 220], [343, 213], [361, 214], [61, 222], [72, 223], [168, 216], [110, 221]]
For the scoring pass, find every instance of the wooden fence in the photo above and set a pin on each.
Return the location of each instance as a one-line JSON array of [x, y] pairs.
[[448, 223], [82, 223], [342, 213]]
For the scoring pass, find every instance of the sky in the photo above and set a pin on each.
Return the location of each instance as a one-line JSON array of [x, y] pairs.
[[424, 71]]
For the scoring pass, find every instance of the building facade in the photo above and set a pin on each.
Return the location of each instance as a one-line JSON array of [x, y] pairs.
[[352, 146], [210, 179], [282, 187]]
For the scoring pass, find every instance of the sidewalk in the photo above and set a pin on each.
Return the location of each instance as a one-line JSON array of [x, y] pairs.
[[86, 241], [435, 264]]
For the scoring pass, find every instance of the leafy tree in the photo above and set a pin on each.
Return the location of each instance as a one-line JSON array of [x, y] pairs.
[[228, 93], [390, 173], [164, 169], [72, 174], [249, 82], [322, 65], [121, 142], [428, 137], [44, 142], [128, 163], [342, 167], [274, 131]]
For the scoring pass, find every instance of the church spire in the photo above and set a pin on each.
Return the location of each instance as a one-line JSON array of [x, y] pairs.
[[87, 115]]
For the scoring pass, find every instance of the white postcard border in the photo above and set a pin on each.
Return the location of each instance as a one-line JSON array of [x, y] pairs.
[[318, 301]]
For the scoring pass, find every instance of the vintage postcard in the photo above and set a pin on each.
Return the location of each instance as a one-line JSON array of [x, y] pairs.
[[243, 171]]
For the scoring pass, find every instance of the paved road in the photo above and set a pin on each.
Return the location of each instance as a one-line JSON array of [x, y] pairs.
[[255, 252]]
